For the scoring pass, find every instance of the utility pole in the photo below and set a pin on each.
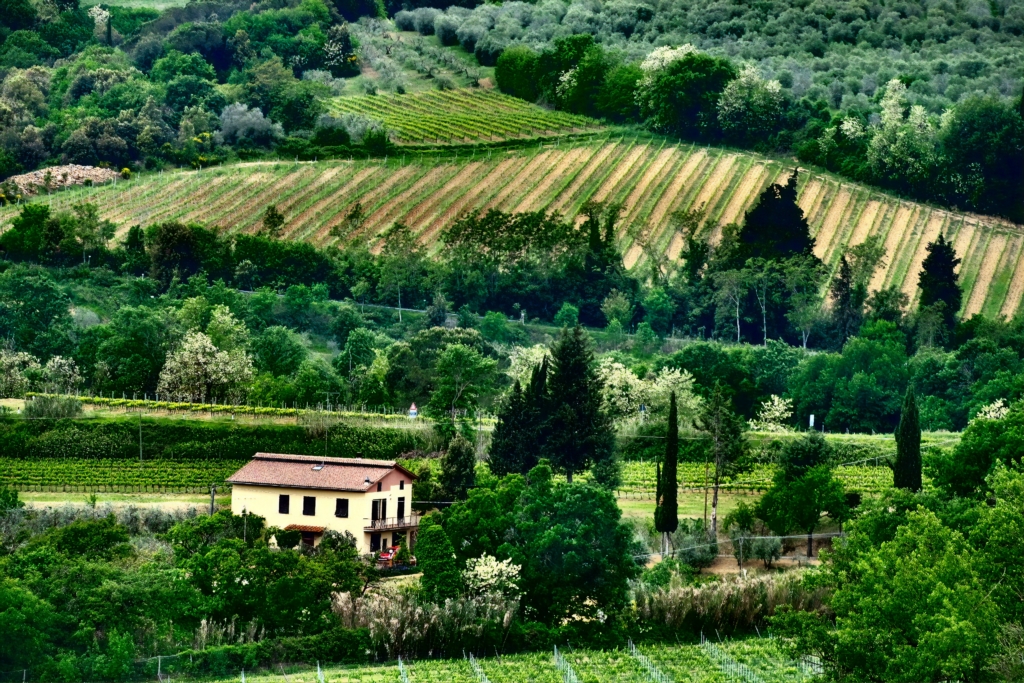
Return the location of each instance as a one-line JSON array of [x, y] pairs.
[[140, 437], [213, 499]]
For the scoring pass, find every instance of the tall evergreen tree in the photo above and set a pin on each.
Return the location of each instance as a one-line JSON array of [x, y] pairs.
[[435, 557], [775, 228], [458, 468], [579, 430], [847, 303], [907, 468], [666, 513], [939, 282], [510, 449]]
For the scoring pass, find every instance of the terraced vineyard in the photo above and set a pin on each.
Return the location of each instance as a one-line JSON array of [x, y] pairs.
[[461, 116], [74, 475], [683, 663], [651, 176]]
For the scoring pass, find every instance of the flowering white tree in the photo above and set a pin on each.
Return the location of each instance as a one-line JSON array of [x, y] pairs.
[[16, 371], [750, 106], [226, 331], [198, 372], [773, 415], [487, 575], [522, 360], [902, 151], [61, 375], [624, 392], [996, 410]]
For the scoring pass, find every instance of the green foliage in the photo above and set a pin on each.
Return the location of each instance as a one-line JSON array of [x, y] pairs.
[[103, 538], [907, 468], [911, 609], [775, 228], [9, 500], [939, 283], [798, 504], [53, 407], [666, 511], [192, 439], [458, 469], [579, 430], [436, 559], [515, 72], [567, 316], [574, 551], [683, 97]]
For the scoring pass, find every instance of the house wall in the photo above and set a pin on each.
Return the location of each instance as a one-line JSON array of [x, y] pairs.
[[263, 501]]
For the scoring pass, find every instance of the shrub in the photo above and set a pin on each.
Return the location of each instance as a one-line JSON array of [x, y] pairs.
[[53, 407], [423, 20], [446, 29]]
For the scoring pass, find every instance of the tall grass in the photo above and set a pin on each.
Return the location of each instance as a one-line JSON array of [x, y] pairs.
[[732, 604]]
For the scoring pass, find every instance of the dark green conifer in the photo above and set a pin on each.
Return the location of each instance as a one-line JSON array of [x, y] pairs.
[[907, 468]]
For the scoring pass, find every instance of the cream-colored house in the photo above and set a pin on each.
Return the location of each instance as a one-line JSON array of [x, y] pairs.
[[370, 499]]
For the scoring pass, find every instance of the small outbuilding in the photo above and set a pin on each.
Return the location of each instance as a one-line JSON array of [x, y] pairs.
[[370, 499]]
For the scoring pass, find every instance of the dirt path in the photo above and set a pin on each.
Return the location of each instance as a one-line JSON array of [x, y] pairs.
[[1015, 292], [892, 241], [566, 165], [931, 232]]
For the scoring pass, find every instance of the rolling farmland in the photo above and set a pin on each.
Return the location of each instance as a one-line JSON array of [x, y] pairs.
[[651, 176], [458, 116]]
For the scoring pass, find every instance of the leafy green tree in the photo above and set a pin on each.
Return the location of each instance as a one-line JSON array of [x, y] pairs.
[[511, 449], [939, 283], [516, 72], [580, 432], [659, 309], [567, 316], [907, 468], [28, 627], [912, 609], [981, 144], [682, 98], [9, 500], [458, 468], [984, 445], [726, 444], [463, 377], [436, 559], [129, 351], [799, 503], [34, 312], [666, 511], [278, 350], [575, 552]]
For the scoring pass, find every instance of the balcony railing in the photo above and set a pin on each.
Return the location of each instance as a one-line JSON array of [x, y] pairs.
[[393, 523]]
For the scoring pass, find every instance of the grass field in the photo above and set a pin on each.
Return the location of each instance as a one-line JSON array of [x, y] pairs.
[[651, 176], [461, 115]]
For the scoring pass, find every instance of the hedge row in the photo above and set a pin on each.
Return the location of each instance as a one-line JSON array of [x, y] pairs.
[[164, 438]]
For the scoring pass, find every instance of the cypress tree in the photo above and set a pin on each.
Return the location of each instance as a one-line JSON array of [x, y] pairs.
[[666, 514], [847, 303], [938, 280], [510, 448], [907, 469], [435, 557], [458, 468], [776, 228], [578, 430]]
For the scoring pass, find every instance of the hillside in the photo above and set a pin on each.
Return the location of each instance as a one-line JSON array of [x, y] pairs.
[[651, 176]]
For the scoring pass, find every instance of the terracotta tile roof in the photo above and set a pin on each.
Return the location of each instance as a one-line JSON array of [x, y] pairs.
[[313, 472], [305, 527]]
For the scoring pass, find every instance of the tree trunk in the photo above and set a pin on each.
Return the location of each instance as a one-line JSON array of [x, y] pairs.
[[714, 512], [568, 477], [810, 544], [737, 320]]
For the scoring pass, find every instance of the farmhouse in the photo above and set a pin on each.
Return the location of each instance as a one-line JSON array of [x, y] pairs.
[[371, 499]]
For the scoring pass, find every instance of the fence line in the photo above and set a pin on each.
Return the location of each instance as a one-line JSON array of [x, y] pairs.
[[565, 668], [477, 669], [651, 671]]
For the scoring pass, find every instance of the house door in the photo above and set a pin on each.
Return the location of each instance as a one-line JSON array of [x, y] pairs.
[[379, 510], [401, 509], [374, 542]]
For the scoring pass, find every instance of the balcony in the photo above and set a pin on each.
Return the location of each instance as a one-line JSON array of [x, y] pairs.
[[387, 523]]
